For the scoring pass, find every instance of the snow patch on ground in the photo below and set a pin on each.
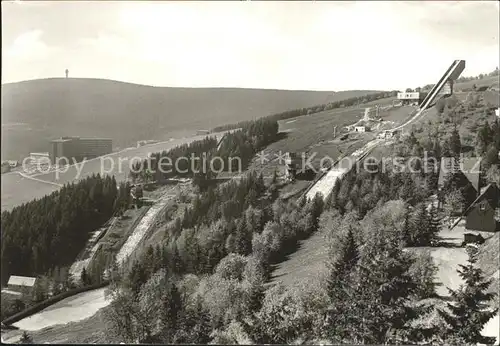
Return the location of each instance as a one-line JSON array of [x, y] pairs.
[[448, 261], [72, 309], [492, 328], [14, 293]]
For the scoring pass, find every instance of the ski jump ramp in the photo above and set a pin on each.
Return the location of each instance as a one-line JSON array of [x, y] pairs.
[[326, 183], [446, 80]]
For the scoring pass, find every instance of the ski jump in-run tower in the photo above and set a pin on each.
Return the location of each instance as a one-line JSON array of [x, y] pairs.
[[444, 86], [67, 72]]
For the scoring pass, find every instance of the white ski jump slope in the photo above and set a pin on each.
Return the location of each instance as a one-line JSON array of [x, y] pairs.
[[141, 230], [326, 183]]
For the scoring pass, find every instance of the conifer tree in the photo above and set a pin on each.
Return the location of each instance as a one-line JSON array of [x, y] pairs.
[[176, 264], [380, 310], [407, 191], [340, 288], [316, 210], [56, 281], [137, 277], [419, 225], [196, 326], [483, 139], [469, 310], [84, 277], [26, 338], [434, 226], [172, 310], [455, 143], [333, 197], [261, 187], [275, 177]]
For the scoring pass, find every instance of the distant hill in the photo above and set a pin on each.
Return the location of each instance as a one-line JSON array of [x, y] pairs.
[[38, 110]]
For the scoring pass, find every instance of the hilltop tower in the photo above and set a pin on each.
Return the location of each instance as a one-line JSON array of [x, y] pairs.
[[67, 72]]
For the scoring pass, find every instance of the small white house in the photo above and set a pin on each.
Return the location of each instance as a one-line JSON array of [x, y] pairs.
[[497, 112], [18, 283], [361, 129], [388, 134], [39, 158]]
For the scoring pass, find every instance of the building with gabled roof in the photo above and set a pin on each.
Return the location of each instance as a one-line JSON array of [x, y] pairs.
[[362, 128], [470, 167], [19, 283], [484, 213]]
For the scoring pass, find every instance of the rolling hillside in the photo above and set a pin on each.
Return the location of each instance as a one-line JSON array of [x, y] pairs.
[[38, 110]]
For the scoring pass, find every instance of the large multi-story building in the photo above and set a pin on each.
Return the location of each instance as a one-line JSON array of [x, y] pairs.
[[78, 149]]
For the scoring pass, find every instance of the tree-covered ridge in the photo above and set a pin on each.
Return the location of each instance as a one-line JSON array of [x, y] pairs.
[[235, 232], [202, 159], [150, 168], [50, 232], [314, 109]]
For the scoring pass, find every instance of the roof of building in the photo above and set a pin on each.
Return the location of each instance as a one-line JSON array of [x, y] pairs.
[[61, 140], [21, 281], [491, 194], [95, 139], [409, 95], [69, 139], [470, 167]]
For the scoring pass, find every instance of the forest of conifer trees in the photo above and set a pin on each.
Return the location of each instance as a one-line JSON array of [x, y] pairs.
[[212, 271], [50, 232]]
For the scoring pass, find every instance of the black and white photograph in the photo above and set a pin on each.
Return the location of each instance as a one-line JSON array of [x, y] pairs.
[[250, 172]]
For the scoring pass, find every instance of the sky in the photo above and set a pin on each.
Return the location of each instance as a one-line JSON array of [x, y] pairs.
[[291, 45]]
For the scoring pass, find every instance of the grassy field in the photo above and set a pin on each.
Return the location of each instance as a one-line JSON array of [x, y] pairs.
[[469, 121], [486, 81], [306, 265], [314, 135]]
